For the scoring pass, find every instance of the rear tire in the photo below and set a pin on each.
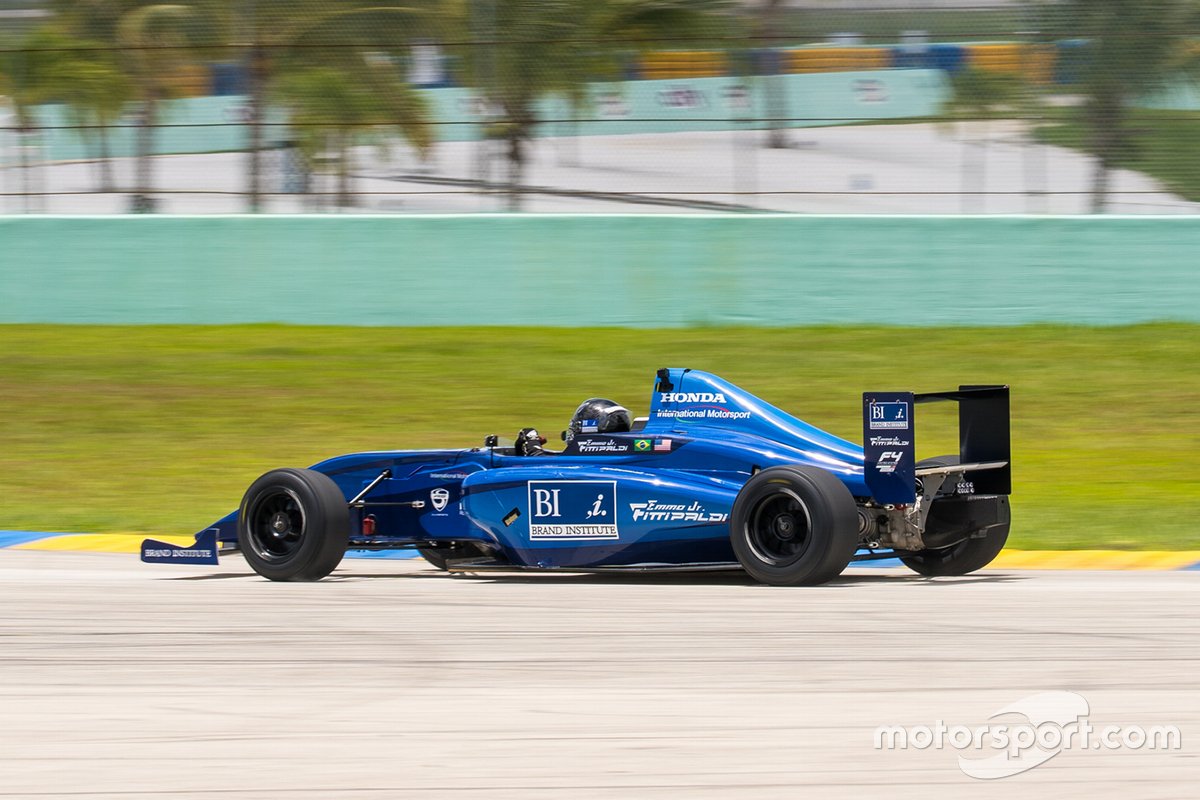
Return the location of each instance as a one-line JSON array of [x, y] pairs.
[[794, 526], [293, 525], [972, 553]]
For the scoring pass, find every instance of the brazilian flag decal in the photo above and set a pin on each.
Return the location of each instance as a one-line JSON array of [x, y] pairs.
[[642, 445]]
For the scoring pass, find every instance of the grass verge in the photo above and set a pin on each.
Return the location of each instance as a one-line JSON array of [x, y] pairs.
[[160, 429]]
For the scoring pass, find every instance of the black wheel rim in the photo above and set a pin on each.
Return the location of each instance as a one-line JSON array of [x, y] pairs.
[[779, 530], [276, 524]]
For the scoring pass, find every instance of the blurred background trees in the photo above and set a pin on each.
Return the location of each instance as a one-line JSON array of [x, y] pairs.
[[355, 49], [322, 79], [156, 40], [1129, 50], [521, 51], [338, 65]]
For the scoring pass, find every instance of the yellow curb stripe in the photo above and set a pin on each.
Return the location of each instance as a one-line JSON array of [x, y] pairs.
[[1008, 559], [1096, 559], [100, 542]]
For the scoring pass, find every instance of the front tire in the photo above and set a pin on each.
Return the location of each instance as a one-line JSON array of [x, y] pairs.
[[794, 526], [293, 525]]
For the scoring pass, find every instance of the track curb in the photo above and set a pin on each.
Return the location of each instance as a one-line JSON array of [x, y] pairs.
[[1144, 560], [130, 543]]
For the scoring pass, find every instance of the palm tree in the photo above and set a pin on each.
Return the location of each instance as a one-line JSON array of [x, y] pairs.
[[524, 50], [51, 66], [155, 41], [87, 79], [276, 36], [326, 109], [769, 25], [331, 106], [19, 68], [1134, 47], [296, 35]]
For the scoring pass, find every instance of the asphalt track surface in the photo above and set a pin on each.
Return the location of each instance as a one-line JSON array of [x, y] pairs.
[[121, 680]]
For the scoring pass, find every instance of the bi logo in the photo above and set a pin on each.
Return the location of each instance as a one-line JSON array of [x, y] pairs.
[[889, 415], [573, 510]]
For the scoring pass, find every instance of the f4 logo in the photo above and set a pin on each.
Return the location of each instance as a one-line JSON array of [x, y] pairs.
[[889, 460]]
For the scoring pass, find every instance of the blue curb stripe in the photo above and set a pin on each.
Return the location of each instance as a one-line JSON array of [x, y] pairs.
[[14, 538], [883, 562]]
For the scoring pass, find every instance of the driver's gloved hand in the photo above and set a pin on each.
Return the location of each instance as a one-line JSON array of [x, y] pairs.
[[529, 442]]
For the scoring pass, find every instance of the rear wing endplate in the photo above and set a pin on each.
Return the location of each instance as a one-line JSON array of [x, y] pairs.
[[889, 441]]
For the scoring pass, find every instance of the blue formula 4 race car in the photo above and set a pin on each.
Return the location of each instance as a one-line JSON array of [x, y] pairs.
[[712, 478]]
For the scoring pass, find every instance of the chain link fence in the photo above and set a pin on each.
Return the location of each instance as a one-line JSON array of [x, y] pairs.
[[430, 106]]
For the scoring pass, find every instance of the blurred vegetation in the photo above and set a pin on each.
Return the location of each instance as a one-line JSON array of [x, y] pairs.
[[160, 429], [333, 108], [338, 67], [978, 94], [555, 47], [80, 73], [1160, 143], [322, 60], [1132, 49]]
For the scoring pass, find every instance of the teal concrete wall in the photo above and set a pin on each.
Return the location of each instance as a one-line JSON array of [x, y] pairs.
[[1182, 96], [637, 271], [191, 125], [211, 124]]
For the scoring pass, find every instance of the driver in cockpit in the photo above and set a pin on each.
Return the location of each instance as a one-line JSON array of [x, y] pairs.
[[595, 415]]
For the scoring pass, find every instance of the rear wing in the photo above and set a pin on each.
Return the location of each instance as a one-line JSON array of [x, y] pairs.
[[889, 441]]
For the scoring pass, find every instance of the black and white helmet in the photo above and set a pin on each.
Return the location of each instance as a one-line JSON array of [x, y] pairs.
[[599, 415]]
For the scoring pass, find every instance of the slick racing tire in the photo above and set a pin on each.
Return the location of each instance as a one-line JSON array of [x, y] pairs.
[[439, 556], [976, 550], [293, 525], [794, 526]]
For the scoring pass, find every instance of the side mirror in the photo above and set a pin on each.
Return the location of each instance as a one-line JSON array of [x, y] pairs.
[[491, 441]]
